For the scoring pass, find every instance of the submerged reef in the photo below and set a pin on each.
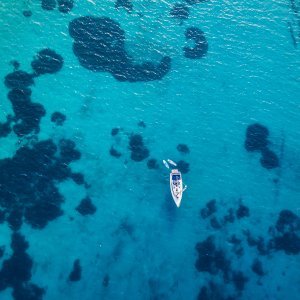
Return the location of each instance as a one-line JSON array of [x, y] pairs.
[[195, 1], [142, 124], [217, 258], [180, 11], [209, 209], [256, 137], [75, 274], [211, 259], [286, 233], [16, 272], [5, 128], [183, 166], [86, 207], [257, 267], [229, 217], [28, 183], [139, 151], [27, 13], [213, 292], [257, 140], [269, 159], [65, 6], [115, 131], [115, 153], [183, 148], [126, 4], [47, 61], [201, 45], [242, 211], [152, 164], [48, 4], [257, 242], [99, 44], [58, 118], [28, 114], [105, 281], [15, 64], [18, 80]]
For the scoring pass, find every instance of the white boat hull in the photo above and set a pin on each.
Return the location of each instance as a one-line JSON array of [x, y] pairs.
[[176, 186]]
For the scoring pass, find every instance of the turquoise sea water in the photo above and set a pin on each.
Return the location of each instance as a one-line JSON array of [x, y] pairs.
[[138, 245]]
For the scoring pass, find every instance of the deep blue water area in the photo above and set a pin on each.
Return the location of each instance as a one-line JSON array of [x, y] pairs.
[[95, 94]]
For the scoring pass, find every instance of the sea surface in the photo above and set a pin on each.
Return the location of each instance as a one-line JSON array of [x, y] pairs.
[[85, 205]]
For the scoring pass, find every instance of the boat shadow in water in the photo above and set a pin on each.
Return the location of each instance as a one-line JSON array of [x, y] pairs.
[[169, 208]]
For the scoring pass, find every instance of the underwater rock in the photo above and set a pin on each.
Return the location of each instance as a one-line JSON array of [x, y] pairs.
[[256, 137], [142, 124], [28, 291], [27, 13], [16, 269], [5, 129], [183, 148], [18, 243], [180, 11], [209, 209], [269, 159], [86, 207], [152, 164], [15, 64], [105, 281], [19, 98], [287, 221], [242, 211], [183, 166], [27, 113], [201, 46], [234, 240], [115, 153], [67, 151], [48, 4], [126, 4], [75, 274], [102, 38], [2, 216], [58, 118], [210, 259], [2, 249], [259, 243], [289, 242], [78, 178], [213, 292], [65, 6], [138, 150], [30, 119], [61, 171], [99, 44], [287, 233], [40, 214], [239, 280], [18, 80], [237, 246], [28, 181], [15, 219], [115, 131], [214, 223], [192, 2], [229, 218], [257, 267], [47, 61]]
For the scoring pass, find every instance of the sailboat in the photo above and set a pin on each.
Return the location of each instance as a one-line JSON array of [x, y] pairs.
[[176, 184]]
